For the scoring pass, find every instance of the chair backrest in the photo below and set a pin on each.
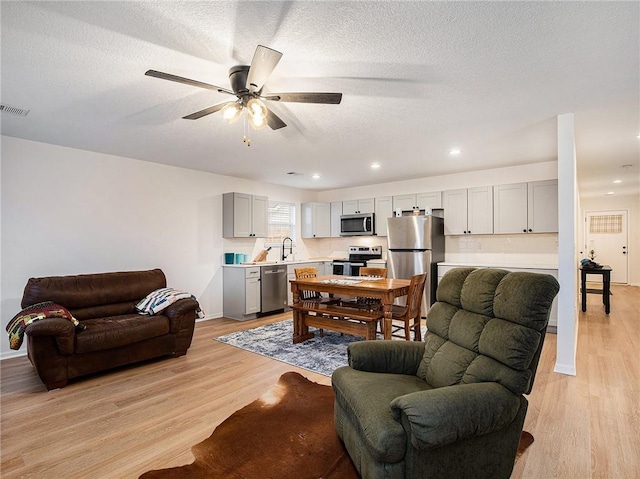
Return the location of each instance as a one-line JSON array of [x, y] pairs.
[[488, 325], [414, 298], [306, 273], [377, 272]]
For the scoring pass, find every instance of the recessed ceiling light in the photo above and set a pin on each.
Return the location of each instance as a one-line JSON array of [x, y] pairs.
[[316, 176], [617, 181], [609, 193], [375, 166], [455, 151]]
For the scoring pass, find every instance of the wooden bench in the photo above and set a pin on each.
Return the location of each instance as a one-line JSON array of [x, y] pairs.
[[356, 321]]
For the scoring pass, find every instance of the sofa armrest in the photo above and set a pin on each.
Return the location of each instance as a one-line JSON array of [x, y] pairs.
[[397, 357], [445, 415], [179, 310], [61, 329]]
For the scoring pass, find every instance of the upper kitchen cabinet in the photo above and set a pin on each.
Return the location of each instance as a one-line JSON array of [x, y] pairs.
[[316, 220], [244, 215], [336, 212], [384, 210], [468, 211], [405, 202], [353, 207], [526, 207], [432, 199], [420, 201]]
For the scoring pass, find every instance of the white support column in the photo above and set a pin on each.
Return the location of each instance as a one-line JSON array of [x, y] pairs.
[[568, 224]]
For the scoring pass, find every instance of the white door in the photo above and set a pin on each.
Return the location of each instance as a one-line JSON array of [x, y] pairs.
[[606, 236]]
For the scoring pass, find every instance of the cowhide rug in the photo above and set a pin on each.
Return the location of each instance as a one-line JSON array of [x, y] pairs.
[[287, 433]]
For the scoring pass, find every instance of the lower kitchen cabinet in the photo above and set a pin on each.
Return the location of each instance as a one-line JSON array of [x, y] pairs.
[[241, 292]]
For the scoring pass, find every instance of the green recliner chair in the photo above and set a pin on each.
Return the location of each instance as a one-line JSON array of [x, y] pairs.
[[453, 405]]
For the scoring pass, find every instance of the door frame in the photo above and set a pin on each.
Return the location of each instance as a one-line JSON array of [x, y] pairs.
[[585, 232]]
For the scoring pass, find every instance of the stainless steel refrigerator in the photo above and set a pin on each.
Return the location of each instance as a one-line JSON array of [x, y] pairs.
[[416, 245]]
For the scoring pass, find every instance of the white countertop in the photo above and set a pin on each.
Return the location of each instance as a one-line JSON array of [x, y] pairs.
[[253, 264], [490, 264]]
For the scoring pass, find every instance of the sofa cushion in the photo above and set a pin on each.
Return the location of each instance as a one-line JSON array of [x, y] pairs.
[[116, 331], [367, 397], [89, 290]]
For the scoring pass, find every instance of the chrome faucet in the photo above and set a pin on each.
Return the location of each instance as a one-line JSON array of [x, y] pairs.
[[284, 256]]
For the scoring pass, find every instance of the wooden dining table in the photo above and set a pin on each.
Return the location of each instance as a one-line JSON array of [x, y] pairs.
[[384, 289]]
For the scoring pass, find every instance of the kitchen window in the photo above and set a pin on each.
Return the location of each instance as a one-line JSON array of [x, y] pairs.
[[281, 222]]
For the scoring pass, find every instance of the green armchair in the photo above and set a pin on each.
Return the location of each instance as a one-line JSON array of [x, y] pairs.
[[453, 405]]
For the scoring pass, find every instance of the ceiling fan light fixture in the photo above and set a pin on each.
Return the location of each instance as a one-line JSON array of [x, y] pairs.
[[231, 112]]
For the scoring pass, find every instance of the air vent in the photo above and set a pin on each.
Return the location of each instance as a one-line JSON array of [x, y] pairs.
[[14, 110]]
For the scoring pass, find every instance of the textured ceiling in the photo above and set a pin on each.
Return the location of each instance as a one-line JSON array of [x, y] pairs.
[[418, 78]]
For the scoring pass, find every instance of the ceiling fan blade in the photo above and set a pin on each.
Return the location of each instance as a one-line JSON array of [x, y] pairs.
[[302, 97], [274, 121], [186, 81], [264, 61], [206, 111]]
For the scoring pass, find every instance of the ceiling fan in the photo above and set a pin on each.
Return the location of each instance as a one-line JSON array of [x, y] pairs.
[[247, 82]]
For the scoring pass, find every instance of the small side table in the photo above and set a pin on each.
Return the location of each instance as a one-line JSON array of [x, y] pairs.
[[605, 272]]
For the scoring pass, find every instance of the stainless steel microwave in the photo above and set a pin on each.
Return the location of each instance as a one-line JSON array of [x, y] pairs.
[[361, 224]]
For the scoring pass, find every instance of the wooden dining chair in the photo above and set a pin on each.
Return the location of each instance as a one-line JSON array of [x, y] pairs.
[[410, 314], [306, 273], [375, 272], [305, 295]]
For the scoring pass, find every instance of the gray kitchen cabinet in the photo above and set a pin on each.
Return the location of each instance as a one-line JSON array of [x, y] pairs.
[[526, 207], [468, 211], [244, 215], [384, 210], [316, 220], [405, 202], [542, 206], [419, 201], [241, 292], [336, 212], [352, 207], [432, 199]]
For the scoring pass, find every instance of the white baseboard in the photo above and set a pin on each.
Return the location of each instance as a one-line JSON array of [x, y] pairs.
[[13, 354]]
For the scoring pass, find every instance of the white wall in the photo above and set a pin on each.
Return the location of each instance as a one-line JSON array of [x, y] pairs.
[[631, 203], [67, 211]]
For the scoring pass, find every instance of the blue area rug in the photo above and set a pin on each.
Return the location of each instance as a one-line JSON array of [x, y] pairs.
[[318, 354]]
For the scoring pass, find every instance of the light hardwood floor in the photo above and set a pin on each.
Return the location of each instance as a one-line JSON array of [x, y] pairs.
[[121, 424]]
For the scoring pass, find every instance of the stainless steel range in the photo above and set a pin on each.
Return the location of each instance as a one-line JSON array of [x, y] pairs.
[[358, 257]]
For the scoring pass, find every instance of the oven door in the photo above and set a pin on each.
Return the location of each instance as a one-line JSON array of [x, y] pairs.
[[341, 268], [355, 269]]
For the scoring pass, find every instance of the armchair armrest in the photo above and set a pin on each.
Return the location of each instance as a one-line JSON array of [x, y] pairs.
[[178, 310], [397, 357], [445, 415], [61, 329]]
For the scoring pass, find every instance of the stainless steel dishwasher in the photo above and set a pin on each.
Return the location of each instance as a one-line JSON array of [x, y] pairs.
[[273, 280]]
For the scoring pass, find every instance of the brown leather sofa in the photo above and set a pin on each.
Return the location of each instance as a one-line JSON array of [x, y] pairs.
[[114, 335]]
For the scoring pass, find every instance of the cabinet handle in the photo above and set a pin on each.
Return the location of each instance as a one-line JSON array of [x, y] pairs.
[[524, 230], [530, 230]]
